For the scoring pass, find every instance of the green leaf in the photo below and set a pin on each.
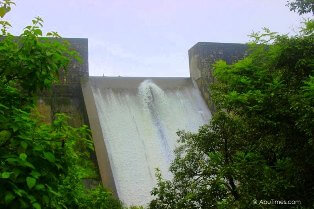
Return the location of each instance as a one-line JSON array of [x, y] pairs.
[[49, 156], [47, 82], [15, 128], [48, 53], [28, 164], [23, 203], [3, 11], [4, 107], [5, 175], [9, 197], [52, 191], [12, 160], [19, 192], [30, 182], [23, 156], [36, 205], [16, 171], [45, 199], [35, 174], [24, 144], [39, 187], [38, 32], [4, 136], [31, 197]]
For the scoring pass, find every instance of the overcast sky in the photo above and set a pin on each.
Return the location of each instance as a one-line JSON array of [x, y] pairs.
[[152, 37]]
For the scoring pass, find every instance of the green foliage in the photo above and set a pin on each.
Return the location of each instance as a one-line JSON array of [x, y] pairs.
[[5, 7], [259, 144], [301, 6], [38, 59], [41, 165], [99, 198]]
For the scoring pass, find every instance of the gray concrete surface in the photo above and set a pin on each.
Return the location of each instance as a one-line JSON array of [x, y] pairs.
[[201, 58]]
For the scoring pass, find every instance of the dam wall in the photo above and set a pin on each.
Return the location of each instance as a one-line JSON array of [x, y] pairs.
[[66, 96], [134, 123], [134, 120], [201, 58]]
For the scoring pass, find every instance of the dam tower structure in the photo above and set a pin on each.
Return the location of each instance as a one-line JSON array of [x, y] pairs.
[[134, 120]]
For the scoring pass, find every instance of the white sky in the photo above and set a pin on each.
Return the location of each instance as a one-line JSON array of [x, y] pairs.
[[152, 37]]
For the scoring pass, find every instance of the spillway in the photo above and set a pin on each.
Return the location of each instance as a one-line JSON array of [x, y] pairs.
[[138, 120]]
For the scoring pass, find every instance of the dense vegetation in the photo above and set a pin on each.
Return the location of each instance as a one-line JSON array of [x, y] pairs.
[[41, 165], [258, 150]]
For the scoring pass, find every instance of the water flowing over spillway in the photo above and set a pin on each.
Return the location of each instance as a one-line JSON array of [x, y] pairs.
[[139, 120]]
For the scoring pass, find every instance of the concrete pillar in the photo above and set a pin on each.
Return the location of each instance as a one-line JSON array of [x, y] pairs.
[[201, 58]]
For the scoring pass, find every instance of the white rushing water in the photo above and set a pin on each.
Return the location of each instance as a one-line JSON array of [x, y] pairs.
[[139, 128]]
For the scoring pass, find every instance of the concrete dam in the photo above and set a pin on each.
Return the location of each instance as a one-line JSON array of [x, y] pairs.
[[134, 120], [139, 118]]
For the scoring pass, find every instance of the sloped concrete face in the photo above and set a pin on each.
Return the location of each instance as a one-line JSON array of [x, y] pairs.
[[134, 123], [97, 134], [201, 58]]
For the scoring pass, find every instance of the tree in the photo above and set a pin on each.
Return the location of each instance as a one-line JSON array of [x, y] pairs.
[[301, 6], [40, 164], [258, 147]]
